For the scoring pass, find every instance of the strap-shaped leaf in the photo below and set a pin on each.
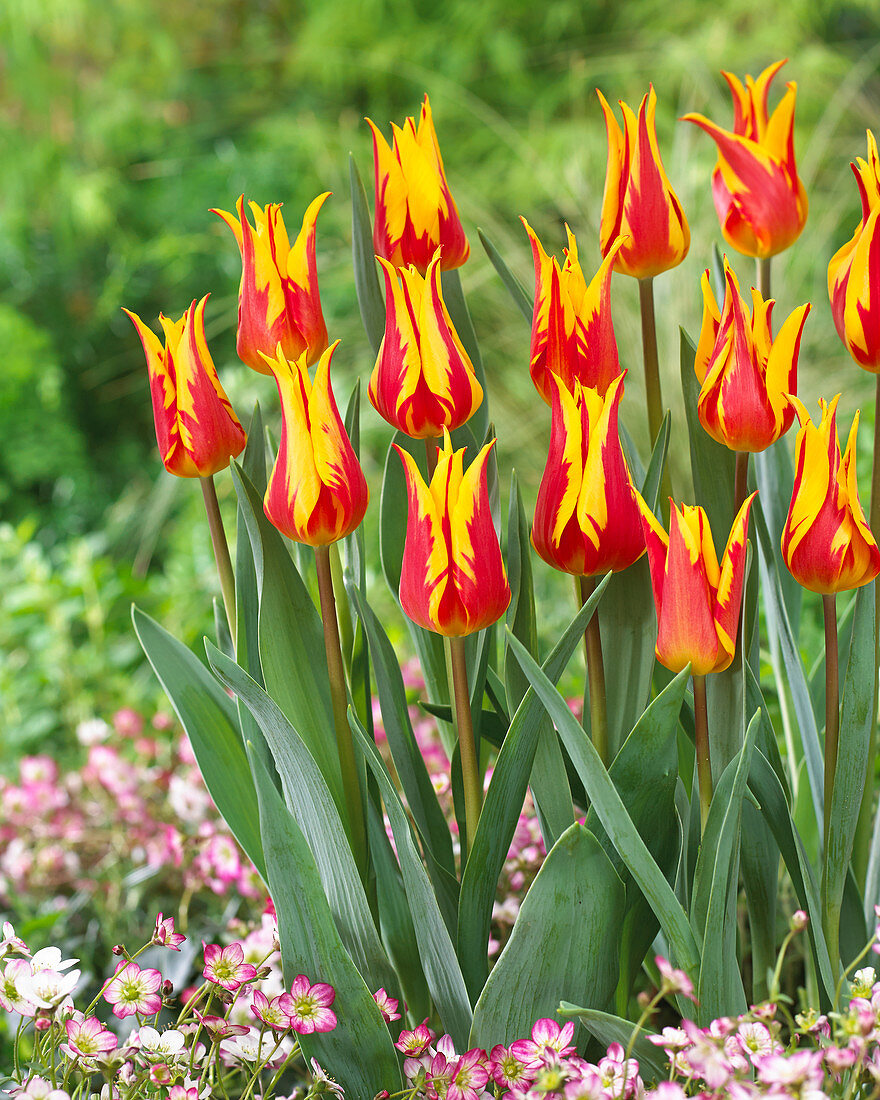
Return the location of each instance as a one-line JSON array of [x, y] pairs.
[[366, 281], [610, 1029], [517, 290]]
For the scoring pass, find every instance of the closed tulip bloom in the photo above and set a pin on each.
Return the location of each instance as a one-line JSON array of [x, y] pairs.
[[639, 202], [854, 271], [452, 578], [572, 330], [587, 516], [316, 492], [196, 429], [761, 202], [423, 380], [278, 299], [698, 602], [415, 211], [746, 375], [827, 543]]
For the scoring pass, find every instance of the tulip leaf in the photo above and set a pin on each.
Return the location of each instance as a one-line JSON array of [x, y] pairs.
[[358, 1051], [454, 300], [563, 944], [654, 474], [291, 637], [366, 279], [503, 805], [440, 965], [856, 715], [514, 286], [209, 717], [613, 814], [712, 464], [774, 477], [308, 798], [610, 1029]]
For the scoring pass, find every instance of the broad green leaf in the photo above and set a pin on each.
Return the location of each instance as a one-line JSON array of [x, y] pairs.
[[358, 1052], [514, 286], [654, 474], [454, 300], [439, 963], [610, 1029], [563, 944], [759, 866], [774, 476], [209, 717], [291, 639], [366, 280], [309, 800], [502, 807], [613, 815]]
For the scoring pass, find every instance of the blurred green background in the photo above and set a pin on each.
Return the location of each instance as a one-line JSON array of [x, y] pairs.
[[124, 123]]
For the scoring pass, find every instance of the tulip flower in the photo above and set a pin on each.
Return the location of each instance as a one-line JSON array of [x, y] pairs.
[[639, 202], [452, 578], [854, 271], [697, 601], [587, 516], [415, 211], [761, 202], [423, 380], [745, 374], [572, 330], [278, 300], [196, 429], [826, 542], [316, 492]]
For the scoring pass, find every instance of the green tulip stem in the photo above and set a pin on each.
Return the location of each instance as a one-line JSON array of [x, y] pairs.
[[763, 265], [339, 697], [471, 779], [221, 550], [865, 824], [431, 445], [830, 909], [704, 765], [741, 481], [595, 675]]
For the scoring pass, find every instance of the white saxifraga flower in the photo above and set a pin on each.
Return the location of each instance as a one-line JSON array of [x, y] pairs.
[[168, 1044], [48, 988]]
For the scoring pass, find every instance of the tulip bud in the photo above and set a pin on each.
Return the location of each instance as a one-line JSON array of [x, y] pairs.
[[698, 602], [278, 299], [423, 380], [761, 202], [415, 211], [854, 271], [572, 330], [826, 542], [639, 202], [196, 429], [452, 577], [587, 517], [316, 492], [745, 374]]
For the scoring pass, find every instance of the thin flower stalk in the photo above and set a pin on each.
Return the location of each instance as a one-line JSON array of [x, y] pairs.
[[221, 551], [471, 777]]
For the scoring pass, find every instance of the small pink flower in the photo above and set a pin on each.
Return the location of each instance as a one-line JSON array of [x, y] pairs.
[[308, 1006], [270, 1012], [417, 1041], [226, 967], [11, 943], [507, 1070], [88, 1038], [133, 990], [548, 1040], [220, 1028], [469, 1074], [165, 935], [674, 981], [128, 722], [387, 1006]]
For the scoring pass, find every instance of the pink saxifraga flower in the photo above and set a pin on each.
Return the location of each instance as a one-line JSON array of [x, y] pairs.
[[38, 1088], [308, 1006], [165, 935], [387, 1006], [269, 1012], [674, 980], [88, 1038], [226, 966], [414, 1043], [508, 1071], [132, 990], [469, 1074], [548, 1040]]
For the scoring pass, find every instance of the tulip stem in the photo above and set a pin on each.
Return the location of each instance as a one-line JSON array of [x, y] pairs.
[[339, 697], [464, 726], [431, 444], [830, 906], [649, 352], [595, 675], [704, 765], [763, 265], [221, 550]]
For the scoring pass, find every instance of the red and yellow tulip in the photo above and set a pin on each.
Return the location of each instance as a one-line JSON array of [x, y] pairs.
[[698, 602], [587, 516], [746, 375], [639, 202], [316, 492], [826, 542], [572, 330], [423, 380], [196, 429], [854, 271], [415, 211], [452, 578], [278, 299], [761, 202]]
